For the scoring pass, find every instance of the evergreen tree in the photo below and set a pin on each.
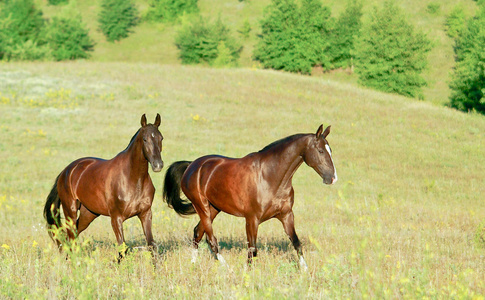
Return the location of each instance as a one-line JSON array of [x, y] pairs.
[[294, 38], [20, 21], [69, 39], [455, 21], [116, 18], [169, 10], [344, 35], [391, 54], [198, 42], [468, 79]]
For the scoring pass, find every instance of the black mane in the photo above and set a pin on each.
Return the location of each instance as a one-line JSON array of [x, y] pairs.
[[282, 141], [132, 139]]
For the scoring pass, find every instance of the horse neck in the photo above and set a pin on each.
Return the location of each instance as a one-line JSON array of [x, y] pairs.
[[134, 157], [281, 161]]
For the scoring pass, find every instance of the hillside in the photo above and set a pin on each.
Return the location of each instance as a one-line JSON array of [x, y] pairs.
[[154, 43], [405, 219]]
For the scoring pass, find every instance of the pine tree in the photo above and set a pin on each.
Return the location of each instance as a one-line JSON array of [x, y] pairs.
[[344, 35], [198, 41], [468, 79], [391, 53], [69, 39], [21, 24], [294, 38], [116, 18]]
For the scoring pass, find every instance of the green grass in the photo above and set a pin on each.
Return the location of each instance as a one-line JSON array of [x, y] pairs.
[[405, 219]]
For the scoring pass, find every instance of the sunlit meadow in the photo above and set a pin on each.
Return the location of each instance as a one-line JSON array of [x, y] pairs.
[[405, 220]]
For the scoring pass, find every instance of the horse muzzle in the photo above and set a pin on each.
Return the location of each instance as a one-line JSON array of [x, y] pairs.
[[330, 180], [157, 165]]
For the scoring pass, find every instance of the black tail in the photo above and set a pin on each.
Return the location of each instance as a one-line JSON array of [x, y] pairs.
[[171, 189], [51, 208]]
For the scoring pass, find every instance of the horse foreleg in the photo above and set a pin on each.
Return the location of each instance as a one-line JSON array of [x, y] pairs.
[[288, 222], [117, 224], [146, 223], [252, 234], [70, 212]]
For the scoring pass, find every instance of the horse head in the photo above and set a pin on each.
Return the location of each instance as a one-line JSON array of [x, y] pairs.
[[152, 142], [318, 155]]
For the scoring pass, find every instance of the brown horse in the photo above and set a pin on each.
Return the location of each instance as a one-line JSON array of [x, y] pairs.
[[119, 188], [257, 187]]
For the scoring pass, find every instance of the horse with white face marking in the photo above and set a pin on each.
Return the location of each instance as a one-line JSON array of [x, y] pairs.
[[257, 187]]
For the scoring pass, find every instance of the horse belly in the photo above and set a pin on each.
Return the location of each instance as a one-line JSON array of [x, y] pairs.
[[232, 192]]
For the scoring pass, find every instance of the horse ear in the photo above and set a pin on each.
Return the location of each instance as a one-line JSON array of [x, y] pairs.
[[319, 131], [326, 132], [143, 120], [158, 120]]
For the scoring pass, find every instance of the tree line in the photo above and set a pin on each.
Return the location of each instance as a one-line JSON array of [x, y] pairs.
[[387, 52]]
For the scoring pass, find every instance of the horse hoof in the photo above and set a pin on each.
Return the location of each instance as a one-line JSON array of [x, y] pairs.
[[221, 259], [195, 253], [303, 264]]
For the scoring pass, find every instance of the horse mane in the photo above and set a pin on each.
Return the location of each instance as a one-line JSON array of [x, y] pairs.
[[132, 139], [282, 141]]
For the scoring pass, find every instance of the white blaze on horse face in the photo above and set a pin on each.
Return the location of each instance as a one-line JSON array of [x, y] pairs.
[[335, 178]]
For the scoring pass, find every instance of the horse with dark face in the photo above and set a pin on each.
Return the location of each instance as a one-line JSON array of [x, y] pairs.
[[119, 188], [257, 187]]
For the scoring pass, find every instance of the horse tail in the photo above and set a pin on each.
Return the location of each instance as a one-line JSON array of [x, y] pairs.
[[51, 208], [171, 189]]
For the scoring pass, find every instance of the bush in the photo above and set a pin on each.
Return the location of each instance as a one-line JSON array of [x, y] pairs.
[[198, 42], [116, 18], [391, 54], [69, 39], [468, 79], [169, 10], [294, 38], [20, 21]]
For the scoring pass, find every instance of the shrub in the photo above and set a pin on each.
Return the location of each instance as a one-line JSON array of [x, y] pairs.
[[116, 18], [391, 54], [468, 79], [20, 21], [169, 10], [294, 38], [69, 39], [198, 42]]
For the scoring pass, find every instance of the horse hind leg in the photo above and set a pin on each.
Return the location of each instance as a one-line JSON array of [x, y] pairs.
[[70, 208], [206, 222], [85, 218], [199, 233]]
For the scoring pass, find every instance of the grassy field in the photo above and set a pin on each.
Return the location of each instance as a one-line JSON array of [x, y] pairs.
[[405, 220]]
